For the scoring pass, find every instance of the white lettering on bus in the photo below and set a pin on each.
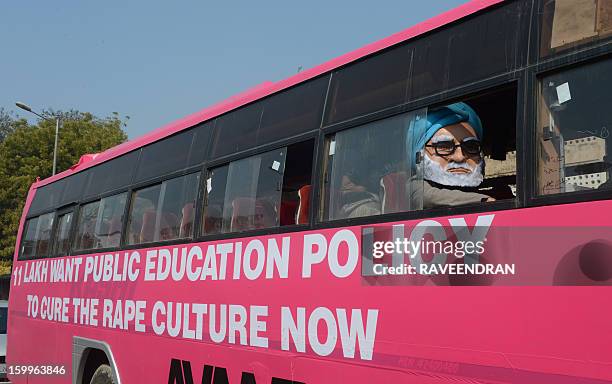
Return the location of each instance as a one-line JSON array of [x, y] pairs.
[[352, 335], [315, 250]]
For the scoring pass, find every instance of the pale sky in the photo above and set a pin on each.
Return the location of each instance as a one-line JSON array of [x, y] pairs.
[[157, 61]]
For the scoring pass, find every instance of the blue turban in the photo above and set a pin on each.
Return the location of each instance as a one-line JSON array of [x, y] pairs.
[[422, 131]]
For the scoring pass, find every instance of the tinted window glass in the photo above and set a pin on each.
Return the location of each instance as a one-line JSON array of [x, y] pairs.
[[28, 243], [237, 130], [47, 197], [279, 116], [74, 187], [37, 238], [165, 156], [376, 83], [294, 111], [474, 49], [111, 175], [43, 234], [99, 224], [199, 149], [574, 123], [570, 23], [164, 211], [371, 164], [61, 244]]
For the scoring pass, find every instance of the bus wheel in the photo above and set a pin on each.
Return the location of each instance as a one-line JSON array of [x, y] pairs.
[[102, 375]]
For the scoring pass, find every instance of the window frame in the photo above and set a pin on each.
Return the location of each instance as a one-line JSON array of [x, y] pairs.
[[72, 208], [146, 184], [557, 65], [208, 166], [51, 237]]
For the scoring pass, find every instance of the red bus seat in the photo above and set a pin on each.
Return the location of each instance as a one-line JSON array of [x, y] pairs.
[[393, 188], [304, 207]]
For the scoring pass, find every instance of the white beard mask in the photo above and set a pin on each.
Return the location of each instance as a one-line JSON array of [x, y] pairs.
[[433, 171]]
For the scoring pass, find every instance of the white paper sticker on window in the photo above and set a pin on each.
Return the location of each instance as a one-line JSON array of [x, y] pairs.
[[208, 185], [275, 165], [332, 148], [563, 93]]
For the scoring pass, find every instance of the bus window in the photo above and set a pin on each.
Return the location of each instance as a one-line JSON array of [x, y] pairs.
[[370, 170], [61, 242], [282, 115], [163, 211], [569, 23], [425, 159], [111, 175], [28, 243], [99, 223], [253, 190], [295, 197], [43, 234], [370, 85], [165, 156], [261, 191], [574, 123], [47, 196], [37, 236]]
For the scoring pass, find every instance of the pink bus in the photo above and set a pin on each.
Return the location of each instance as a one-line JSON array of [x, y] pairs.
[[341, 225]]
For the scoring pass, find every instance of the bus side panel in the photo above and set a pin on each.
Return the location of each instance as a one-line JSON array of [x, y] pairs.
[[422, 332]]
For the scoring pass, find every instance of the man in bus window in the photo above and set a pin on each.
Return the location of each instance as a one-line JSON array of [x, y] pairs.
[[453, 162], [356, 200]]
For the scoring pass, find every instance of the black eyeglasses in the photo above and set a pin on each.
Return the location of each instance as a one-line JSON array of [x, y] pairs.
[[448, 147]]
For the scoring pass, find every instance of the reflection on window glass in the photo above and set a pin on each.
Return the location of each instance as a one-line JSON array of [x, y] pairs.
[[28, 243], [570, 23], [37, 236], [165, 156], [251, 197], [62, 236], [43, 236], [99, 224], [574, 122], [111, 175], [163, 211], [47, 197], [370, 170], [373, 84]]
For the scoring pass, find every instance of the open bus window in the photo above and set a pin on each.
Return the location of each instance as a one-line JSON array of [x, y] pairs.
[[61, 243], [99, 224], [163, 211], [261, 191], [37, 236], [570, 23], [429, 158], [574, 122]]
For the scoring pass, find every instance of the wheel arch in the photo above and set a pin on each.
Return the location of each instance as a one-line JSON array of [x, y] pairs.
[[89, 352]]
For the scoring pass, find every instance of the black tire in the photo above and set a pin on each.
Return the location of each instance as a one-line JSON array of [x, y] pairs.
[[103, 375]]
